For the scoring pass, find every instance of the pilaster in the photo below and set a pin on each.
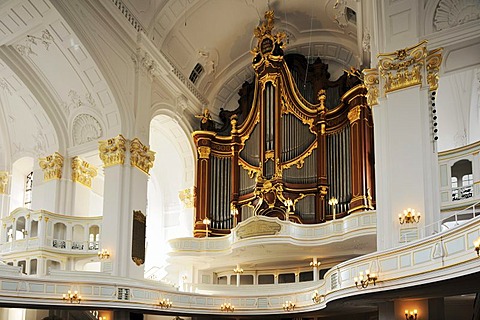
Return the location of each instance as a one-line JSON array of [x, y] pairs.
[[126, 167], [46, 192], [82, 175], [405, 145]]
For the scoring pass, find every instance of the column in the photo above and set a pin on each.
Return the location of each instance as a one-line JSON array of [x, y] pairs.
[[46, 192], [82, 176], [405, 149], [125, 200], [4, 194]]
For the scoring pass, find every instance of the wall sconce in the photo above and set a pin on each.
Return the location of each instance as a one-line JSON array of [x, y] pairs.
[[206, 222], [315, 264], [227, 307], [362, 281], [165, 303], [288, 306], [409, 216], [411, 315], [333, 202], [238, 270], [72, 297], [289, 204], [234, 213], [317, 298], [476, 243], [104, 254]]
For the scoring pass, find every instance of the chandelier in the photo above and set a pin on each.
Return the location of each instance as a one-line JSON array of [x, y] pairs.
[[72, 297], [104, 254], [409, 216], [411, 315]]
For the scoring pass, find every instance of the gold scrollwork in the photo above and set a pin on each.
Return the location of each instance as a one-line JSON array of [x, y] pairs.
[[203, 152], [354, 114], [52, 166], [402, 68], [433, 62], [3, 182], [370, 81], [250, 169], [141, 157], [187, 197], [300, 161], [112, 151], [83, 172]]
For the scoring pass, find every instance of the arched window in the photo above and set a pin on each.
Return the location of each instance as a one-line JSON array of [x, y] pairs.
[[462, 180], [59, 235], [27, 196]]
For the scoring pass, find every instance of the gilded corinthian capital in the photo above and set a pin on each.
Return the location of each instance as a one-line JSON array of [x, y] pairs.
[[3, 182], [112, 151], [83, 172], [141, 157], [52, 166]]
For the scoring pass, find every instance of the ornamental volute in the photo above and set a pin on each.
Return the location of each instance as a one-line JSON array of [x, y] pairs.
[[141, 157], [83, 172], [112, 151], [3, 182], [52, 166]]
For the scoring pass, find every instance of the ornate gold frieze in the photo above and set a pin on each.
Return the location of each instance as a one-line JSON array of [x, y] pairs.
[[52, 166], [141, 157], [251, 169], [83, 172], [403, 68], [370, 81], [187, 197], [203, 152], [112, 151], [433, 62], [3, 182], [258, 227], [354, 114]]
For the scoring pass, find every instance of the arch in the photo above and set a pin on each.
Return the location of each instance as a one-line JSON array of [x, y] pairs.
[[59, 231], [172, 172], [21, 168]]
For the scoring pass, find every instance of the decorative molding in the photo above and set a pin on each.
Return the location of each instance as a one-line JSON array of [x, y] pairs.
[[187, 197], [112, 151], [26, 50], [52, 166], [340, 8], [450, 13], [258, 227], [128, 15], [76, 101], [83, 172], [366, 41], [5, 86], [3, 182], [203, 152], [85, 128], [40, 143], [354, 114], [433, 62], [370, 81], [403, 68], [144, 61], [141, 157]]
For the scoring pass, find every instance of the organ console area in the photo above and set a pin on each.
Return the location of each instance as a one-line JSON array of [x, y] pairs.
[[298, 147]]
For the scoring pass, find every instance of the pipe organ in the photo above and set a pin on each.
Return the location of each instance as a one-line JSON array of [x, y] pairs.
[[296, 140]]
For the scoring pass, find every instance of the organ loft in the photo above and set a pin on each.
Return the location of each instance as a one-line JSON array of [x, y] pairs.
[[299, 146]]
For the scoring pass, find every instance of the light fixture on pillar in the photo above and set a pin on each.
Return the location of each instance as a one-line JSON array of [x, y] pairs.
[[228, 307], [206, 222], [165, 303], [315, 263], [288, 203], [333, 202], [72, 297], [317, 298], [411, 315], [234, 213], [288, 306], [24, 232], [362, 280], [476, 243], [104, 254], [238, 270], [409, 216]]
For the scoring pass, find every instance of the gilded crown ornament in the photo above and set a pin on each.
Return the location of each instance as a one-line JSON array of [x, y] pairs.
[[112, 151], [141, 157], [83, 172], [52, 166]]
